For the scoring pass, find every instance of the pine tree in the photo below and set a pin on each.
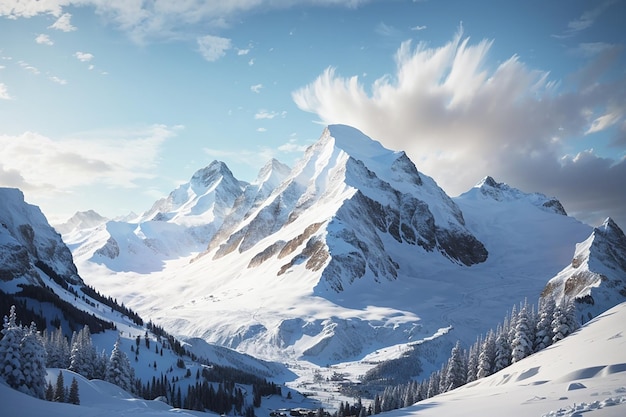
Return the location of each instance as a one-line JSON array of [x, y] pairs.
[[59, 389], [10, 354], [456, 374], [560, 325], [119, 369], [487, 356], [33, 354], [433, 385], [522, 345], [543, 328], [472, 361], [57, 349], [503, 350], [49, 392], [83, 354], [73, 395]]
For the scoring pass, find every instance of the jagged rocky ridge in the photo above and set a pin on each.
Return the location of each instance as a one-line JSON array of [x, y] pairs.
[[596, 277], [370, 194]]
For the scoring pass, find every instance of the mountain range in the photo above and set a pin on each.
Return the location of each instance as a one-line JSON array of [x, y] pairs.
[[351, 250]]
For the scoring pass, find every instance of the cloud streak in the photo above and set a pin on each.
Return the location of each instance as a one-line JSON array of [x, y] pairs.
[[460, 120], [33, 161]]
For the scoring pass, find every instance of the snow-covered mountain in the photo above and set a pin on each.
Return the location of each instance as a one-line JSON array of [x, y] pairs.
[[29, 244], [596, 277], [38, 276], [350, 251], [79, 221]]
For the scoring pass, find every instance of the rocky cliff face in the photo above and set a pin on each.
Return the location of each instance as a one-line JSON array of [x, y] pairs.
[[596, 277], [29, 244]]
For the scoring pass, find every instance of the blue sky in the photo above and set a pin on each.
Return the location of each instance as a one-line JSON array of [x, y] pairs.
[[109, 105]]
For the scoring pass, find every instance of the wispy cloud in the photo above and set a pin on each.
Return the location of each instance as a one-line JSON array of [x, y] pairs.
[[59, 165], [256, 88], [264, 114], [418, 27], [212, 47], [585, 21], [146, 20], [83, 56], [28, 67], [4, 92], [386, 30], [459, 120], [44, 39], [63, 23], [57, 80]]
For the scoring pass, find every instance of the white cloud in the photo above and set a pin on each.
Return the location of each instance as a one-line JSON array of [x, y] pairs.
[[264, 114], [28, 67], [243, 51], [44, 39], [4, 92], [251, 62], [63, 23], [157, 19], [459, 119], [57, 80], [261, 129], [586, 20], [292, 146], [418, 27], [256, 88], [83, 56], [53, 166], [212, 47]]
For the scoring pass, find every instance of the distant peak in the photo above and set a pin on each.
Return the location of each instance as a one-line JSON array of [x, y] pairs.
[[210, 173], [488, 181]]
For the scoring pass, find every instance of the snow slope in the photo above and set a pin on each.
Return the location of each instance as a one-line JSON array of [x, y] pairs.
[[584, 374]]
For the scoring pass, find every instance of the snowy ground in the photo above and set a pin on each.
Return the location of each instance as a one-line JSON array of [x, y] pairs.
[[583, 374]]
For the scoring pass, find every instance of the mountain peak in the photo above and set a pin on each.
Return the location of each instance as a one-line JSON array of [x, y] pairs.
[[208, 175], [489, 188], [596, 277]]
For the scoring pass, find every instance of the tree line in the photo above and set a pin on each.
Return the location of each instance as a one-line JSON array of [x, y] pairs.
[[524, 331]]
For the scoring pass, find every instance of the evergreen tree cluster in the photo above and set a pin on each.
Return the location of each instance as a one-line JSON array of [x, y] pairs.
[[112, 303], [522, 333], [22, 357], [62, 394]]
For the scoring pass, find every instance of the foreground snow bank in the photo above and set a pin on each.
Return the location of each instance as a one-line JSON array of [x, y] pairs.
[[584, 373]]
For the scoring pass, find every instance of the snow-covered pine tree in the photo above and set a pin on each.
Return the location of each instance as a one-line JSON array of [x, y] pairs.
[[33, 355], [83, 354], [10, 355], [119, 370], [487, 356], [73, 397], [570, 315], [57, 349], [522, 344], [543, 328], [560, 325], [433, 385], [503, 349], [456, 374], [472, 361]]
